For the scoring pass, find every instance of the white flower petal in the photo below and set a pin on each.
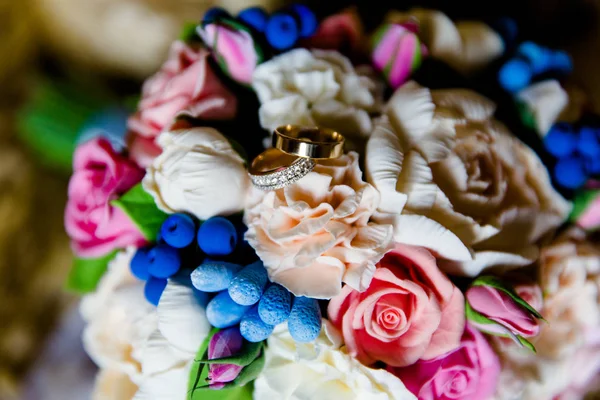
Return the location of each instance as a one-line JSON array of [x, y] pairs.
[[545, 100]]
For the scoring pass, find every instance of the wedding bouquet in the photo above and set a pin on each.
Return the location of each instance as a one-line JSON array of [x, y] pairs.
[[302, 210]]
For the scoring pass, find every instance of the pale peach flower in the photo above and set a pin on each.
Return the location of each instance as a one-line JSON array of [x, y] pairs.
[[455, 180], [317, 233]]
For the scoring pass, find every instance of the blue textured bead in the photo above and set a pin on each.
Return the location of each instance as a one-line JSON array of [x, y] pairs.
[[214, 276], [223, 312], [514, 75], [153, 289], [538, 57], [589, 142], [252, 328], [592, 165], [178, 230], [214, 13], [561, 61], [282, 31], [217, 237], [255, 17], [139, 264], [247, 286], [560, 141], [164, 261], [275, 305], [304, 323], [570, 172], [308, 19]]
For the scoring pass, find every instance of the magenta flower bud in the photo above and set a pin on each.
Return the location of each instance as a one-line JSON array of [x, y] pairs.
[[225, 343]]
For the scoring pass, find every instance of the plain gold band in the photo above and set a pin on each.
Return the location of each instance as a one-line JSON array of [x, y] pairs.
[[309, 142]]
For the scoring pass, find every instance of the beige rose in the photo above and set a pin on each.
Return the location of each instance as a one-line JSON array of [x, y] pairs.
[[317, 233], [455, 180]]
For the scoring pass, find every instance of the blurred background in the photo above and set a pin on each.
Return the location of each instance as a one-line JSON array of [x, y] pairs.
[[67, 66]]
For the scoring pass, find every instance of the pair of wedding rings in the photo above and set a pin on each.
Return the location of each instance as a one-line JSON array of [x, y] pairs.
[[294, 154]]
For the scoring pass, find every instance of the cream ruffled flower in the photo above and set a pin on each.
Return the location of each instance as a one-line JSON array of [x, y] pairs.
[[317, 87], [467, 46], [113, 385], [198, 172], [568, 346], [316, 233], [120, 320], [454, 180], [321, 370], [170, 350]]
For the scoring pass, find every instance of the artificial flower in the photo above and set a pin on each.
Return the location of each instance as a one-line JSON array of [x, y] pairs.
[[225, 343], [467, 46], [315, 234], [410, 311], [198, 172], [542, 103], [321, 370], [120, 320], [470, 372], [113, 385], [342, 31], [100, 175], [185, 85], [315, 88], [455, 180]]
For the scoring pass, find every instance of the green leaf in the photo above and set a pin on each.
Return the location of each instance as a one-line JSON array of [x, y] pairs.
[[476, 317], [496, 283], [526, 343], [248, 354], [251, 372], [86, 273], [188, 32], [141, 208]]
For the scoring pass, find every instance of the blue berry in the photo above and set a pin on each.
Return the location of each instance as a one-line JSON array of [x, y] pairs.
[[178, 230], [308, 20], [305, 320], [164, 261], [275, 305], [223, 312], [140, 263], [154, 289], [589, 142], [592, 166], [570, 172], [514, 75], [537, 56], [560, 141], [255, 17], [282, 31], [215, 13], [248, 285], [217, 237], [252, 328], [560, 61], [214, 276]]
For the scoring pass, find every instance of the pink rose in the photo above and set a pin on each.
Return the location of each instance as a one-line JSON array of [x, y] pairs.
[[185, 85], [100, 175], [410, 311], [470, 372], [234, 49]]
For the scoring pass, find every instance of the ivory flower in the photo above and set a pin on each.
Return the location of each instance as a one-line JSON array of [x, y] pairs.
[[316, 87], [198, 172], [120, 320], [321, 370], [315, 234], [113, 385], [454, 180]]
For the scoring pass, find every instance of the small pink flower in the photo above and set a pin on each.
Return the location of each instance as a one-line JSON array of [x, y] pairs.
[[224, 343], [410, 311], [469, 372], [185, 85], [100, 175]]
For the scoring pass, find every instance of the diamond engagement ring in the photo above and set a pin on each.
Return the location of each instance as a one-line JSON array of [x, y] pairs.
[[273, 169]]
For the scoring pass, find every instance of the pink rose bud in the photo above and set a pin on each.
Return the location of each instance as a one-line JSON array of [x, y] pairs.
[[224, 343], [497, 309]]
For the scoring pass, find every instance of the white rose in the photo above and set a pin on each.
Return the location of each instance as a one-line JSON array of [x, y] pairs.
[[170, 351], [120, 320], [455, 180], [321, 370], [198, 172], [317, 87]]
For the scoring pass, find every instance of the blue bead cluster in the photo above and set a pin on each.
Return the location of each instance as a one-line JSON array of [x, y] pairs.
[[245, 296], [577, 151], [216, 237], [281, 30], [530, 61]]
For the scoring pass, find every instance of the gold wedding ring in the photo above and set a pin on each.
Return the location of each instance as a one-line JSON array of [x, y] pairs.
[[274, 169], [308, 142]]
